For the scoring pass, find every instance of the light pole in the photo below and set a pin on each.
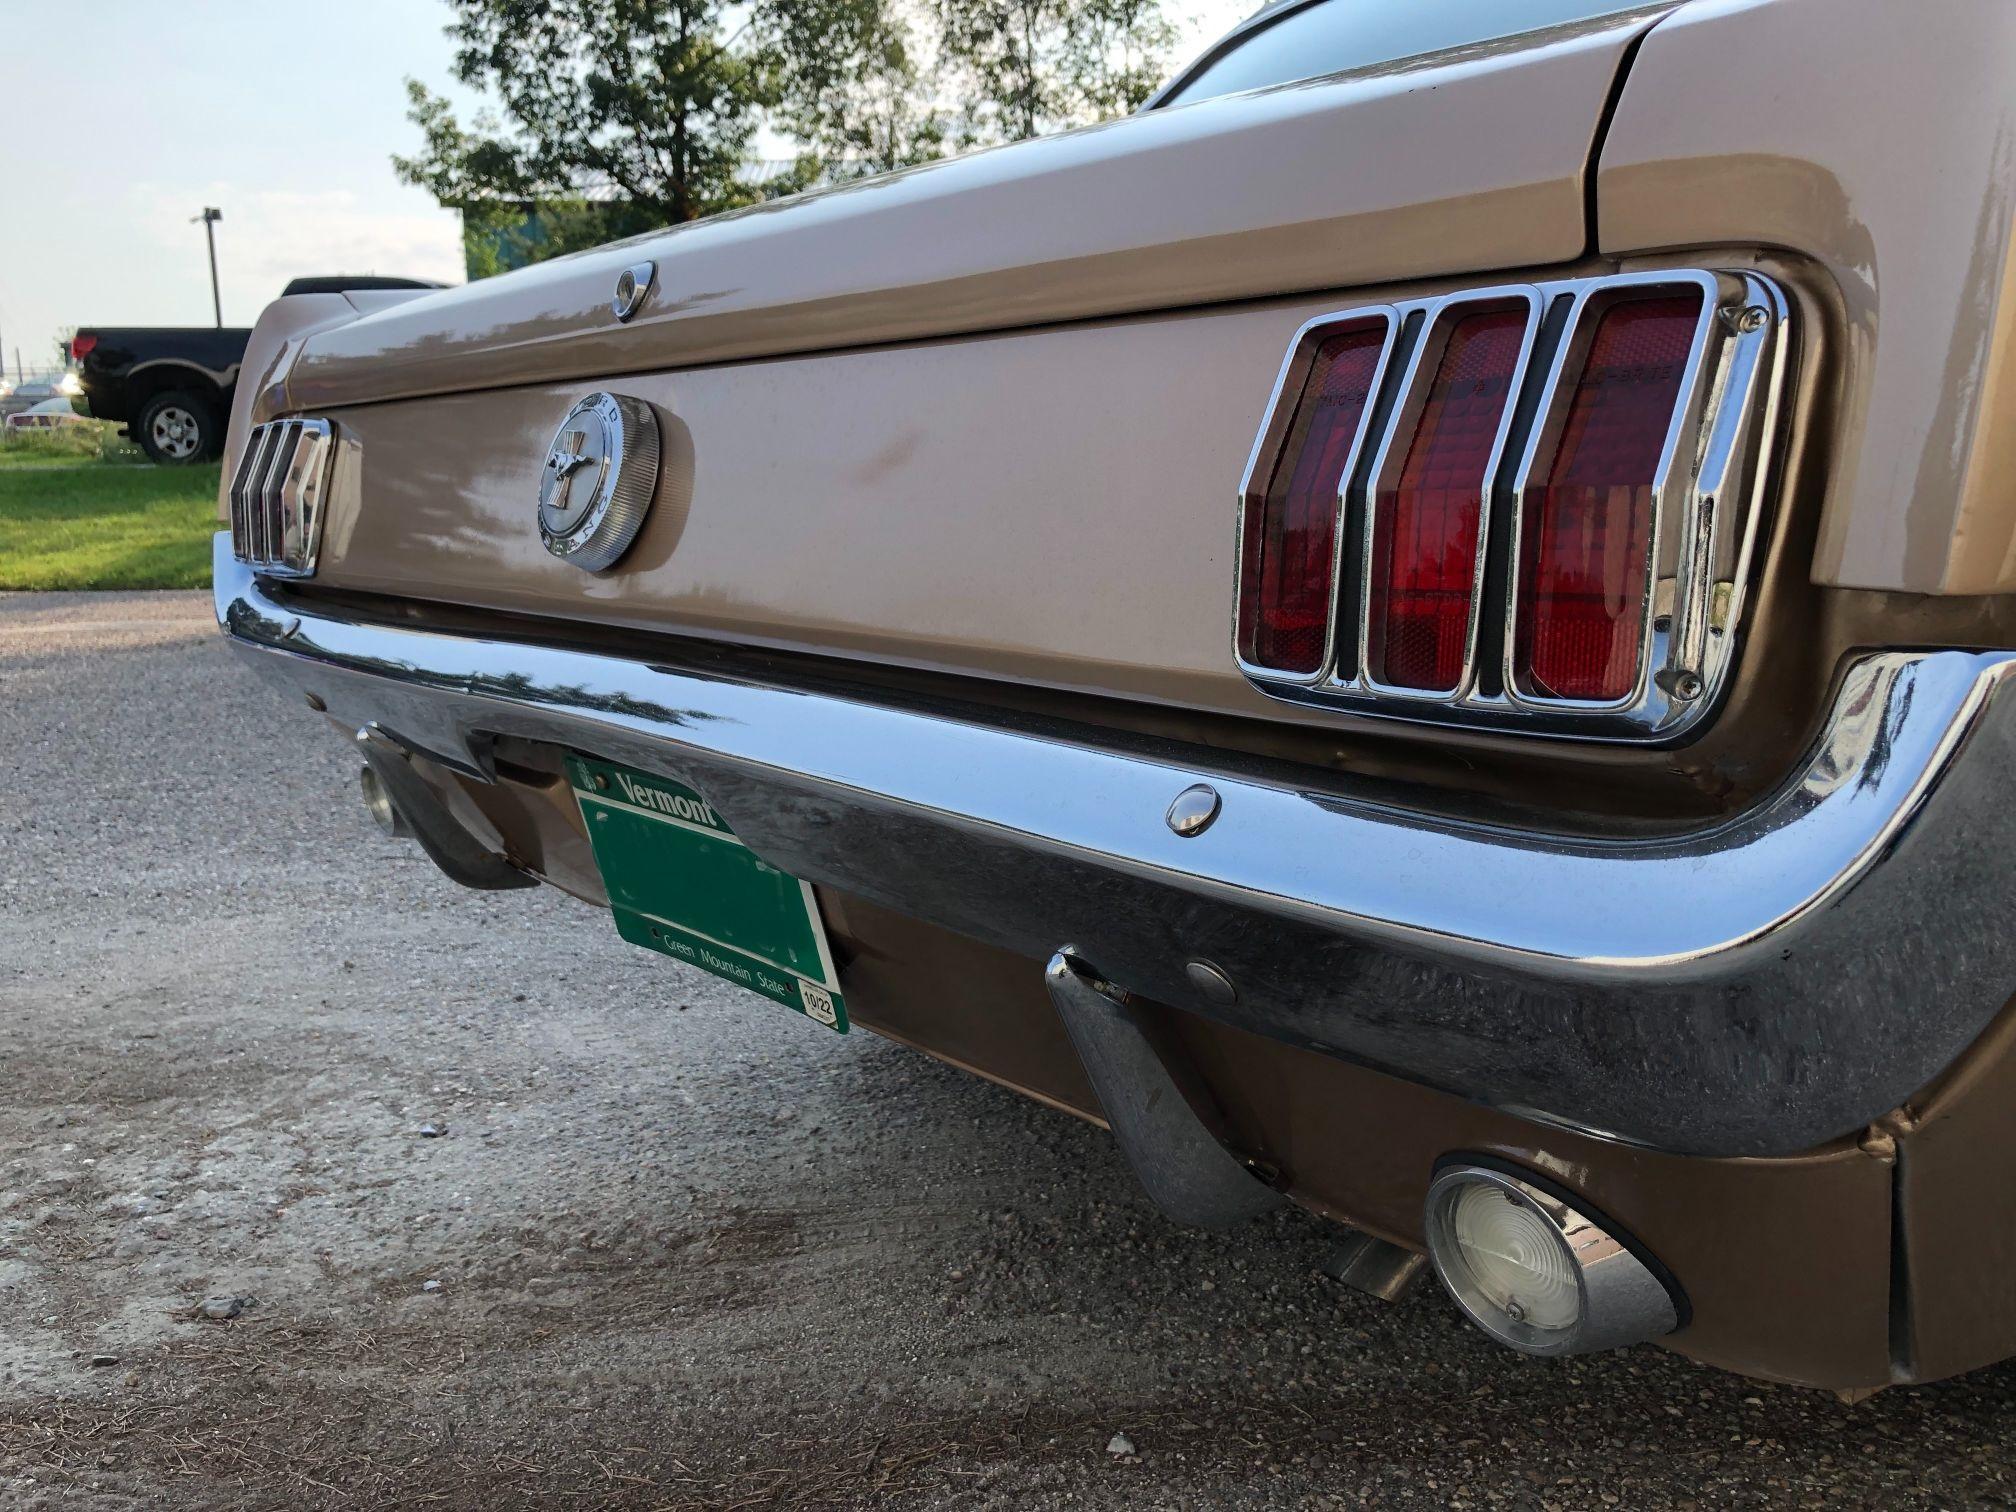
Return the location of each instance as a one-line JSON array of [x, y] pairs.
[[210, 216]]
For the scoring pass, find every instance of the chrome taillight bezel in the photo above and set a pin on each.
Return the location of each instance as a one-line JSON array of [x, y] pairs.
[[279, 494], [1710, 502]]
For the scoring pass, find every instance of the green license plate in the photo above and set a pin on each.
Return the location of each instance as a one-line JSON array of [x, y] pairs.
[[680, 883]]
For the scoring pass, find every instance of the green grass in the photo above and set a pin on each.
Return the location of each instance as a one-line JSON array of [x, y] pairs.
[[93, 441], [69, 523]]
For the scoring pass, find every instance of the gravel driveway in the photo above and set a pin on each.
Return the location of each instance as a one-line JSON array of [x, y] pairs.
[[513, 1213]]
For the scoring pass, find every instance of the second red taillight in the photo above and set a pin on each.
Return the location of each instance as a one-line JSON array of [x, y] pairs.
[[1586, 532], [82, 345], [1426, 531]]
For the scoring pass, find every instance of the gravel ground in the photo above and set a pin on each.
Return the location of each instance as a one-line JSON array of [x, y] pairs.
[[665, 1245]]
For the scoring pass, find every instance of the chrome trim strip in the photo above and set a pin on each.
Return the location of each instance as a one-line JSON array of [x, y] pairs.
[[240, 546], [1591, 303], [274, 528], [245, 492], [1757, 987], [1702, 548], [223, 378], [277, 495]]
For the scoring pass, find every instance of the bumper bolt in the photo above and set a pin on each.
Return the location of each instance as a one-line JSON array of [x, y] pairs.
[[1211, 983], [1194, 809]]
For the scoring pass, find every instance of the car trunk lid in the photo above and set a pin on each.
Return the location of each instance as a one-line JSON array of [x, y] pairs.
[[1457, 162], [1006, 400]]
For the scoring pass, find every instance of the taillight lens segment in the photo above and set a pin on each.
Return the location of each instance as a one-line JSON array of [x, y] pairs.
[[1289, 551], [1586, 532], [1426, 523]]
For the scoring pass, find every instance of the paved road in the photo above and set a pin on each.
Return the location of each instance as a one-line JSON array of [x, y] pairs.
[[691, 1251]]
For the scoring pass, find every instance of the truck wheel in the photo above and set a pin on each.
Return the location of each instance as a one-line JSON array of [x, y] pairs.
[[175, 427]]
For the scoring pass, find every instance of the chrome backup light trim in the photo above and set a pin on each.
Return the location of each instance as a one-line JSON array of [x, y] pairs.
[[1754, 988], [1621, 1300], [1266, 455], [1711, 496], [278, 495]]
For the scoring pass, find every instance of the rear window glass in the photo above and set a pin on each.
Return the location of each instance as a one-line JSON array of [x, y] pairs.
[[1334, 35]]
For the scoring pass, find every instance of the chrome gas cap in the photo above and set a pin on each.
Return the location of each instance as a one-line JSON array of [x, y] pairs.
[[598, 479]]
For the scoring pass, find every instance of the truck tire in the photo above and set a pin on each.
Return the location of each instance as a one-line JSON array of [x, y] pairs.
[[176, 427]]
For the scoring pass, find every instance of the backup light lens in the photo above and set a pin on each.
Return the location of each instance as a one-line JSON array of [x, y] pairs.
[[1535, 1272], [1513, 1258], [1426, 525], [1288, 571], [1586, 539]]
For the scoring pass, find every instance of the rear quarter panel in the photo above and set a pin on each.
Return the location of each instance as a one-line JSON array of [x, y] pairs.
[[1880, 139]]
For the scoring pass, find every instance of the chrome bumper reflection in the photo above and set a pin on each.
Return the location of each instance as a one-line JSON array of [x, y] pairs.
[[1754, 988]]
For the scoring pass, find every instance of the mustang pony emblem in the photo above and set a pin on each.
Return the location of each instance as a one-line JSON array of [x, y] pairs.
[[609, 442], [565, 460]]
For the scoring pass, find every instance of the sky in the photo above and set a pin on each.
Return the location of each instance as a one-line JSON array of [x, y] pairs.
[[282, 113]]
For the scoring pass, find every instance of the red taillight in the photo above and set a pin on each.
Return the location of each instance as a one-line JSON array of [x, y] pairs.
[[1289, 555], [82, 345], [1425, 525], [1586, 537]]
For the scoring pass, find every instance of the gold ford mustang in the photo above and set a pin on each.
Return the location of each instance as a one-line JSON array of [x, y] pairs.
[[1422, 628]]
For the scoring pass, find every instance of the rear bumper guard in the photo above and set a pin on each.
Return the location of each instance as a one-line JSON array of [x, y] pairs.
[[1754, 988]]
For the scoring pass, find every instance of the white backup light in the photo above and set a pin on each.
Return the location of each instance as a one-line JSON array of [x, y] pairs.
[[1534, 1272]]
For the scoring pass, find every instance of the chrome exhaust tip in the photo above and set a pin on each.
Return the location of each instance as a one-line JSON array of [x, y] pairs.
[[378, 803], [1527, 1262]]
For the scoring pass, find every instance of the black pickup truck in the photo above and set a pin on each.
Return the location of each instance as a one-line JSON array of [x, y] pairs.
[[172, 385]]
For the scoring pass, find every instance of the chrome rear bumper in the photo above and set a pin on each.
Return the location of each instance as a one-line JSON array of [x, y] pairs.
[[1754, 988]]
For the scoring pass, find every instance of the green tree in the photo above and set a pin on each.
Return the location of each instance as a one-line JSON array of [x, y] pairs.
[[622, 115], [858, 83], [608, 118], [1036, 66]]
